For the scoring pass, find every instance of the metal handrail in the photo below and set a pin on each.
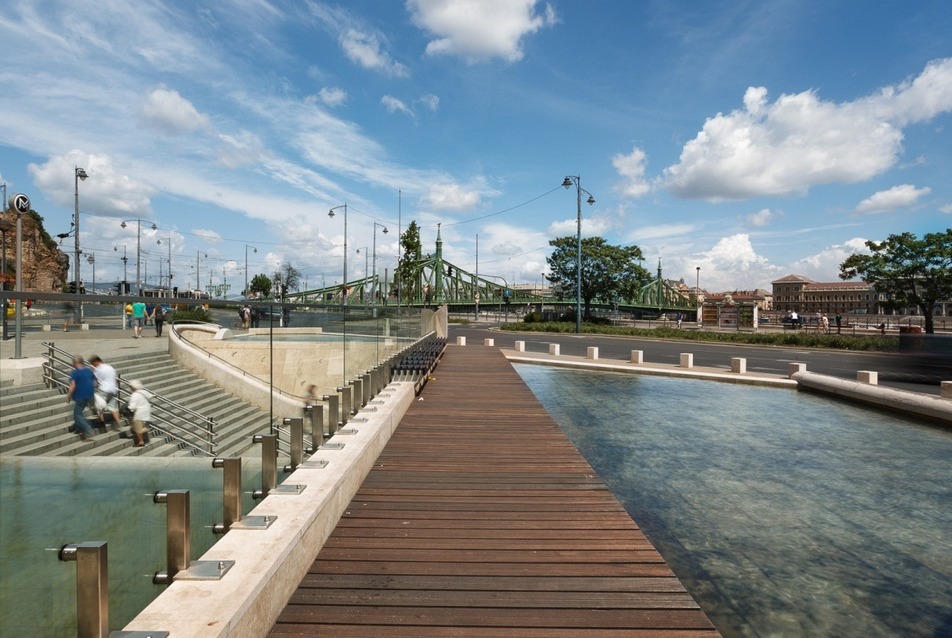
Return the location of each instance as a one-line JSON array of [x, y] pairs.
[[231, 365], [161, 422]]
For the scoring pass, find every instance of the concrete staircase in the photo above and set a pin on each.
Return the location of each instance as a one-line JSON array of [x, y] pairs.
[[34, 420]]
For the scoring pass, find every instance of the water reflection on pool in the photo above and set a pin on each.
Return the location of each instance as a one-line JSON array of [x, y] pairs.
[[784, 513]]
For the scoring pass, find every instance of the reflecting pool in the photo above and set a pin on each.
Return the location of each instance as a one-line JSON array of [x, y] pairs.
[[783, 513]]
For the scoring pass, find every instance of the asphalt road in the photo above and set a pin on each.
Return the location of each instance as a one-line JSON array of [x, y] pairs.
[[844, 364]]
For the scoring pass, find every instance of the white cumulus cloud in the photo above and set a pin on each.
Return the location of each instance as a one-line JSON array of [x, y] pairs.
[[799, 141], [478, 30], [892, 199], [366, 50], [106, 191], [332, 96], [168, 111], [761, 218], [825, 265], [395, 105], [631, 167], [450, 197]]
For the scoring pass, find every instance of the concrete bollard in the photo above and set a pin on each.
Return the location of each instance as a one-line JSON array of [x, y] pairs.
[[489, 342], [739, 365], [687, 359], [868, 376], [520, 346], [637, 356], [794, 368], [84, 326], [47, 327], [591, 352], [554, 349], [945, 389], [461, 341]]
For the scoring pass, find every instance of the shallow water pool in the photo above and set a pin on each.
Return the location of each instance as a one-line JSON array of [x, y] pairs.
[[783, 513]]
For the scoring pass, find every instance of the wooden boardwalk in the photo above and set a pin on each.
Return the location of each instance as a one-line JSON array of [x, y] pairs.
[[480, 518]]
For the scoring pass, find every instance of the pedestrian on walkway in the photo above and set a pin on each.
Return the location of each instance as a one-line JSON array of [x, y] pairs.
[[82, 388], [138, 318], [158, 318], [108, 385], [141, 410]]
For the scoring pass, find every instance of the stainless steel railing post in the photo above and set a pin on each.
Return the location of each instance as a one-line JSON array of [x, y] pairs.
[[333, 413], [368, 388], [346, 404], [297, 442], [315, 414], [357, 387], [231, 493], [269, 463], [92, 587], [178, 536]]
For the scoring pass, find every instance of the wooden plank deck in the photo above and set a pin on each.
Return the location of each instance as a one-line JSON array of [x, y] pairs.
[[480, 518]]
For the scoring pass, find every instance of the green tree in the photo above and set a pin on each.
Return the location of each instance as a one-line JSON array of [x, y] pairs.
[[287, 276], [608, 271], [910, 271], [408, 270], [260, 285]]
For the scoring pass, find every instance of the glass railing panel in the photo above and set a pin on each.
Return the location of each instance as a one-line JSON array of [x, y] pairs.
[[49, 502]]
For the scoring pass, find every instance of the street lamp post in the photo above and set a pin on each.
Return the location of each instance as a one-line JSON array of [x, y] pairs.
[[169, 273], [697, 296], [567, 183], [138, 252], [78, 174], [246, 267], [91, 260], [125, 262], [363, 287], [330, 214], [198, 272], [373, 291]]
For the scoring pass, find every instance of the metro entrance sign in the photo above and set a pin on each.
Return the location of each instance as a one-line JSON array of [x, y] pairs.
[[21, 203]]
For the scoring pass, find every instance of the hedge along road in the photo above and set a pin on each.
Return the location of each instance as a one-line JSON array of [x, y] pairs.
[[892, 368]]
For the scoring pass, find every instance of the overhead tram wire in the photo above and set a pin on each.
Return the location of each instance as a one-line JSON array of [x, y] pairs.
[[505, 210]]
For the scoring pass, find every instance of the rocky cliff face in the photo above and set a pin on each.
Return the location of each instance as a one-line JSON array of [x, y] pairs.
[[45, 266]]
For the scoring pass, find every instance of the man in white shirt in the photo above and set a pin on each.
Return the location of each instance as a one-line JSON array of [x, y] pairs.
[[107, 384]]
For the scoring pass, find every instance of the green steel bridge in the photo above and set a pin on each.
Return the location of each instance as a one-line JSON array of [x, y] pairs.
[[438, 282]]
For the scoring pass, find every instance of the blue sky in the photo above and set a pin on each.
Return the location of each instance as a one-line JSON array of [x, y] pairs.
[[752, 139]]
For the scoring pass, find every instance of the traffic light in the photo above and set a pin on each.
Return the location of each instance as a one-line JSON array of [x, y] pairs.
[[174, 290], [119, 287], [71, 288], [505, 296]]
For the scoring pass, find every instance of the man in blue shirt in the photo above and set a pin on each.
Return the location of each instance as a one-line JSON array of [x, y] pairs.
[[82, 387]]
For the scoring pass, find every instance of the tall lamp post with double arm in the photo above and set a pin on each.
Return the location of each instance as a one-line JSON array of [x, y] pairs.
[[138, 251], [373, 288], [567, 183], [330, 214], [246, 267], [79, 174]]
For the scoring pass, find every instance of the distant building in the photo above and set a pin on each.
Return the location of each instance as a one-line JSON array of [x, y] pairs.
[[763, 299], [803, 295]]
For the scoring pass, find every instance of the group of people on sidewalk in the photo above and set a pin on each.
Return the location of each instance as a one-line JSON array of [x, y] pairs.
[[138, 315], [100, 383]]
